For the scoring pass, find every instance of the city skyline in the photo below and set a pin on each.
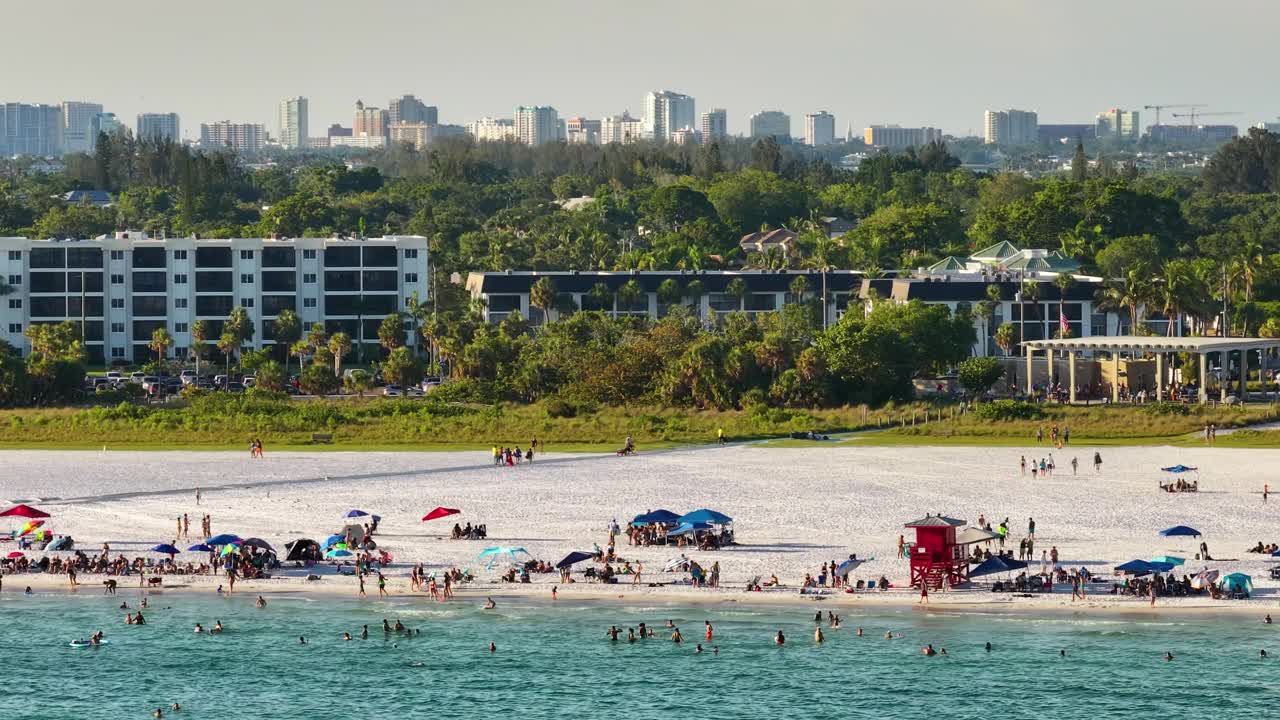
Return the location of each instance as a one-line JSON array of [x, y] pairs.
[[211, 80]]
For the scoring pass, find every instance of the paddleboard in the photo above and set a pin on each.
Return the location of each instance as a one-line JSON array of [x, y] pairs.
[[88, 644]]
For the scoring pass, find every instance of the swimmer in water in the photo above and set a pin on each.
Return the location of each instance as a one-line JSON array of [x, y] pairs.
[[988, 647], [260, 602], [144, 602], [699, 649], [489, 604], [399, 626], [1062, 653], [1267, 620], [929, 651], [817, 617], [888, 636], [493, 648], [715, 650], [676, 637], [1168, 657], [631, 635], [346, 636], [175, 707], [942, 651], [644, 632], [125, 606], [817, 635], [836, 624], [217, 627], [709, 629], [199, 629], [859, 632], [670, 624], [364, 632], [1262, 654], [138, 619], [386, 626], [158, 713], [553, 593], [779, 639], [613, 632], [302, 640]]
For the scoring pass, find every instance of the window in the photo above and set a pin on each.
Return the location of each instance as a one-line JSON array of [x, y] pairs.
[[308, 278], [180, 327], [15, 304], [277, 257], [117, 255], [411, 277], [246, 303], [15, 279], [180, 279], [246, 278], [179, 254], [213, 257], [308, 302], [117, 352], [15, 328], [246, 254], [117, 279], [117, 327], [49, 306], [342, 257], [308, 254], [180, 303], [15, 254], [152, 257], [117, 303], [279, 281], [149, 281], [410, 254], [149, 306]]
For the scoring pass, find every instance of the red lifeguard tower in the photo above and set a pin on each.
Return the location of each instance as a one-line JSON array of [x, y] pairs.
[[936, 557]]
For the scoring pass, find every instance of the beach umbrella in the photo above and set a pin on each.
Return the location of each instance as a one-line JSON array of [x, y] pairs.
[[199, 547], [338, 552], [1179, 469], [440, 512], [258, 543], [849, 566], [362, 513], [995, 564], [1236, 582], [971, 535], [166, 548], [1169, 560], [25, 511], [654, 517], [494, 553], [29, 526], [223, 539], [1136, 567], [1163, 567], [685, 528], [574, 557], [1179, 531], [334, 540], [706, 516], [1204, 579], [14, 555]]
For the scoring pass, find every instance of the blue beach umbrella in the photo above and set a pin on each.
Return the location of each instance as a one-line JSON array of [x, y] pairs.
[[223, 539], [685, 528], [1136, 567], [338, 553], [494, 553], [333, 540], [1236, 582], [1168, 560], [656, 516], [199, 547], [996, 564], [573, 558], [1179, 531], [166, 548], [1177, 469], [706, 516]]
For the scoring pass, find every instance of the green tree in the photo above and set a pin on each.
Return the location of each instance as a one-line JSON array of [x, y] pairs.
[[286, 330], [339, 346], [1079, 163], [200, 330], [401, 368], [317, 380], [391, 332], [543, 296], [228, 343], [1005, 336], [160, 343], [357, 382], [269, 377], [978, 374]]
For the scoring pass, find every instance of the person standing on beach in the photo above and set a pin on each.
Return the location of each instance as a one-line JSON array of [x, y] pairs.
[[924, 593], [1031, 527], [709, 629], [639, 567], [186, 526], [360, 579], [1266, 490], [1022, 465], [382, 586], [1097, 462], [197, 495]]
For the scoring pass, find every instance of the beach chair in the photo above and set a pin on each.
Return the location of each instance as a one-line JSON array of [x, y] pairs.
[[871, 584], [860, 585]]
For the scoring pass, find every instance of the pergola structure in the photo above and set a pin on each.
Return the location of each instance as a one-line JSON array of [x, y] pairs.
[[1149, 345]]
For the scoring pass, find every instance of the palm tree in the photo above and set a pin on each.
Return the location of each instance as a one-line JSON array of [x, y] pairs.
[[1131, 294], [799, 287], [339, 345], [161, 341], [1004, 337], [227, 344], [300, 349], [1252, 258], [317, 337], [286, 329], [736, 289], [543, 296], [1064, 282], [630, 294], [1179, 291], [199, 340], [694, 290], [1030, 291]]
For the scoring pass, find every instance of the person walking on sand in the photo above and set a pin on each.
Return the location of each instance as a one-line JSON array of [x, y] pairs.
[[635, 580], [924, 593], [197, 495], [360, 580], [1022, 465], [382, 586], [186, 526], [720, 435]]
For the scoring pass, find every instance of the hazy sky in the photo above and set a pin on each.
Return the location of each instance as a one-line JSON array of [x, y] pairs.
[[936, 62]]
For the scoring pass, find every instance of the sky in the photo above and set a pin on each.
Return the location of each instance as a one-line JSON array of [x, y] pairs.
[[922, 62]]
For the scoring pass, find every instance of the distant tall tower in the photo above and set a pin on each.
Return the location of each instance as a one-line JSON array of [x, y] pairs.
[[77, 126], [537, 124], [293, 122], [409, 109], [714, 125], [369, 121], [819, 128], [666, 112], [159, 125]]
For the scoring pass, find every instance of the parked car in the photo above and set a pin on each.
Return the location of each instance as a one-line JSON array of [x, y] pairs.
[[235, 387], [136, 377], [149, 382], [392, 391], [412, 392], [429, 382]]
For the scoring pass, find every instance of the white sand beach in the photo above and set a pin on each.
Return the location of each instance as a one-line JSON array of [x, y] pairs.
[[793, 509]]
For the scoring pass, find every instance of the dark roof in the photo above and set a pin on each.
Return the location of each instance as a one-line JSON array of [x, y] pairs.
[[712, 280], [768, 237], [935, 521], [93, 197], [939, 290]]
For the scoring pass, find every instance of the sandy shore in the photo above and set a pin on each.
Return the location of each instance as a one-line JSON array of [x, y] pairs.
[[794, 508]]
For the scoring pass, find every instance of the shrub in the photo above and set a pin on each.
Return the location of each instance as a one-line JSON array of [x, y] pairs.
[[1166, 408], [558, 408], [1008, 410]]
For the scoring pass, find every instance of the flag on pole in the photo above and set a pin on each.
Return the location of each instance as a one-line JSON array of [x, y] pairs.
[[1063, 327]]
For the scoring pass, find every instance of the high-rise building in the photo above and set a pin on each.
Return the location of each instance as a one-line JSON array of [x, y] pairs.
[[336, 130], [30, 129], [683, 136], [714, 125], [492, 129], [581, 131], [771, 123], [293, 122], [159, 125], [77, 126], [1269, 127], [409, 109], [369, 121], [421, 135], [894, 136], [1119, 124], [665, 112], [105, 123], [819, 128], [538, 124], [1010, 127], [242, 137], [622, 129]]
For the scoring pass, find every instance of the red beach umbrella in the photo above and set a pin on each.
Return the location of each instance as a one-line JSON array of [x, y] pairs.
[[439, 513], [14, 555], [25, 511]]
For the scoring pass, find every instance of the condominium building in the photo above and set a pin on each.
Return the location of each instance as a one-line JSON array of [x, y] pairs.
[[30, 129], [421, 135], [622, 129], [77, 126], [683, 136], [1011, 127], [159, 125], [409, 109], [367, 142], [581, 131], [242, 137], [538, 124], [293, 123], [714, 125], [492, 129], [666, 112], [819, 128], [771, 123], [369, 121], [105, 123], [124, 287], [894, 136], [1118, 124]]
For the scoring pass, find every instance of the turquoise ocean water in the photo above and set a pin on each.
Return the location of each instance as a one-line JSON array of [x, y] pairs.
[[556, 662]]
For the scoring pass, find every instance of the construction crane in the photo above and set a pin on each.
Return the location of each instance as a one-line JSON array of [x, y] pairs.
[[1158, 108], [1191, 116]]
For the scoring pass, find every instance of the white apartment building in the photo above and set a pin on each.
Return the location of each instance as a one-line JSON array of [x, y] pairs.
[[538, 124], [243, 137], [895, 136], [819, 128], [492, 129], [581, 131], [159, 125], [421, 135], [411, 110], [771, 123], [713, 125], [77, 126], [30, 129], [124, 287], [1011, 127], [666, 112], [1117, 123], [293, 123], [622, 129]]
